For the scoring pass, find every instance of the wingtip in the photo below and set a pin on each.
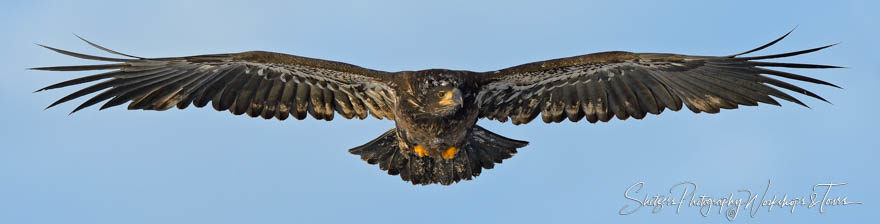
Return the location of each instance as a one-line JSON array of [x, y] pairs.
[[822, 99], [805, 105], [75, 110], [765, 45], [105, 49], [51, 48], [830, 45], [797, 101], [826, 46], [50, 106], [833, 85], [788, 33], [44, 46]]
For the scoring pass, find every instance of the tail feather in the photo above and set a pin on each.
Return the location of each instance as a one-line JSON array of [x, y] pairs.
[[481, 151]]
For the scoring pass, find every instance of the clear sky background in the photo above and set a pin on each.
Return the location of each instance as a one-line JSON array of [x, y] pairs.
[[203, 166]]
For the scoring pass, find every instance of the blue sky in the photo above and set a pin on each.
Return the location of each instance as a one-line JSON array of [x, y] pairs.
[[202, 166]]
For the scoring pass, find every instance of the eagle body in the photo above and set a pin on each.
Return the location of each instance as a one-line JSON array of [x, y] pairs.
[[435, 138], [419, 118]]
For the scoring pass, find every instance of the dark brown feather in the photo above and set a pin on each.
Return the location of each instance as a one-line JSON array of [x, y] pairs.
[[271, 107], [302, 101], [258, 102], [286, 104], [248, 82], [624, 84]]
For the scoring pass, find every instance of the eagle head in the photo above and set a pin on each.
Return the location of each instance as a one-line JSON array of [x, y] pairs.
[[443, 101], [440, 95]]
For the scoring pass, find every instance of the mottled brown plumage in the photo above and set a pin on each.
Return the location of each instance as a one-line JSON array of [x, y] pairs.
[[436, 139]]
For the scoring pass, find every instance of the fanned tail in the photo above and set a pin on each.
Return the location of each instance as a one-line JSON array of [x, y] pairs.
[[481, 151]]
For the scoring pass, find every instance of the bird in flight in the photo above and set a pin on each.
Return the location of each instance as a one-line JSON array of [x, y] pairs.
[[435, 138]]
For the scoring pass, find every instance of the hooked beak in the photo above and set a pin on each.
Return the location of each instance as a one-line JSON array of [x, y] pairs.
[[450, 98]]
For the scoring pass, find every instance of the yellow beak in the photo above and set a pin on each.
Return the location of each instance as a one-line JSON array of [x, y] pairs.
[[447, 98]]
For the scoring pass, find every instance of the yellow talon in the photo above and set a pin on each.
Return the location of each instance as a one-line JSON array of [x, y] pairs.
[[420, 150], [450, 152]]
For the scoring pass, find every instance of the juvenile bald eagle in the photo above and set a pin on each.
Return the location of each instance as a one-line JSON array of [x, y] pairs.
[[435, 111]]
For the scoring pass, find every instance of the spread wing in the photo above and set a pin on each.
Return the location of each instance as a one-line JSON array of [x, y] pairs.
[[623, 84], [258, 83]]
